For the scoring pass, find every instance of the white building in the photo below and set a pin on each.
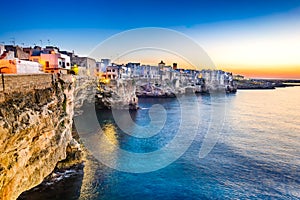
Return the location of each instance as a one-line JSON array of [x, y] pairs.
[[2, 49], [28, 67], [216, 77], [64, 61], [103, 64], [148, 71]]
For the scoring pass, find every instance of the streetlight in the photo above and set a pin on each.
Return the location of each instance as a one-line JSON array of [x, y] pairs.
[[2, 76]]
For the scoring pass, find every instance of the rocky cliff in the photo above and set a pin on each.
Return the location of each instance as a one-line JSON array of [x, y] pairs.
[[35, 131], [118, 94]]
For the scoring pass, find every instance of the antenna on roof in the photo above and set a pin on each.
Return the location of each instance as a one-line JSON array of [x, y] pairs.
[[13, 40], [48, 42], [41, 43]]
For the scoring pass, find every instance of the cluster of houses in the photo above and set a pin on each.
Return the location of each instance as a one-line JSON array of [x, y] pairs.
[[16, 60], [20, 60], [162, 72]]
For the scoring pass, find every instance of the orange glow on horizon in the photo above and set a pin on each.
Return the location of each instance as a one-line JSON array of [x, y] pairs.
[[282, 72], [264, 71]]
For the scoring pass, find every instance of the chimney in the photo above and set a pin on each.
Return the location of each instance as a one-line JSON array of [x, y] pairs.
[[174, 66]]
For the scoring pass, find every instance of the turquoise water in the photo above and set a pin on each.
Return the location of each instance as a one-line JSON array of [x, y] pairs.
[[257, 155]]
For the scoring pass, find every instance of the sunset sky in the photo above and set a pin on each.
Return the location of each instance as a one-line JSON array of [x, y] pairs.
[[256, 38]]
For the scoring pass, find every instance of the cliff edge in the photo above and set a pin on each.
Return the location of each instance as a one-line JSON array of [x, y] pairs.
[[36, 114]]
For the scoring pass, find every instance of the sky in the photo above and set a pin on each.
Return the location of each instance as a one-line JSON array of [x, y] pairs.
[[256, 38]]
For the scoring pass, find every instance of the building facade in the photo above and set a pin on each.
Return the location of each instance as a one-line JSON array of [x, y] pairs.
[[86, 65], [51, 60]]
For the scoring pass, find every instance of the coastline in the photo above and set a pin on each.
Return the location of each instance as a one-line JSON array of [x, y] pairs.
[[69, 171], [267, 88], [264, 84], [54, 186], [71, 183], [62, 175]]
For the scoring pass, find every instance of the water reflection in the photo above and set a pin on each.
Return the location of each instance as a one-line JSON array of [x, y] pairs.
[[107, 139], [263, 124], [256, 158]]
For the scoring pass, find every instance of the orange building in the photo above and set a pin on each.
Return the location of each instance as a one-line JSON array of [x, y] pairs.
[[8, 67], [17, 66]]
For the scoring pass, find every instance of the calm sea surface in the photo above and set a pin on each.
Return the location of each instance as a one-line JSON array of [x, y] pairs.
[[257, 155]]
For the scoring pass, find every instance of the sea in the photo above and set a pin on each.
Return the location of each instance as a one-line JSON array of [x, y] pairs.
[[229, 146]]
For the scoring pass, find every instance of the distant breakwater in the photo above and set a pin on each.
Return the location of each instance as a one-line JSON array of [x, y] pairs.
[[253, 84]]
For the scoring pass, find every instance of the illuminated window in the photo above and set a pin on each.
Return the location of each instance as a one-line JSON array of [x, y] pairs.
[[47, 64]]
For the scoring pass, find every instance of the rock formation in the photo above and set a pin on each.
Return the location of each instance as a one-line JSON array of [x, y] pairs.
[[118, 94], [152, 90], [35, 131]]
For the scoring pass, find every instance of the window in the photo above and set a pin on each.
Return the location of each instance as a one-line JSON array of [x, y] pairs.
[[47, 64]]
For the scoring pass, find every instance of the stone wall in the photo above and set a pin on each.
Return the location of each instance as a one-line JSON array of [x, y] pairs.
[[10, 83], [36, 113]]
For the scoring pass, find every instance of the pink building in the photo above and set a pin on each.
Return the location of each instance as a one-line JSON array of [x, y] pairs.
[[51, 60]]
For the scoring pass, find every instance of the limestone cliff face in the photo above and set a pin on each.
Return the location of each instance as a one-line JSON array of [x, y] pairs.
[[85, 90], [35, 130], [118, 94]]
